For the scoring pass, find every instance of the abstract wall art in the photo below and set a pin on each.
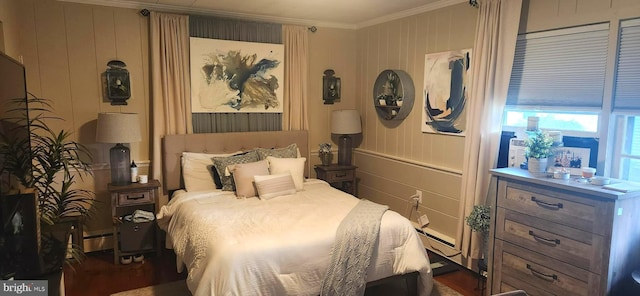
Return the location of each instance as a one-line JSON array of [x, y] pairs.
[[446, 78], [234, 76]]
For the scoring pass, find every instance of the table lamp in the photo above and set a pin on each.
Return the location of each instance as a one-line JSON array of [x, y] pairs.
[[345, 123], [119, 128]]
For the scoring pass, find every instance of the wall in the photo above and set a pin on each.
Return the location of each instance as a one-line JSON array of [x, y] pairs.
[[329, 49], [65, 48], [396, 158]]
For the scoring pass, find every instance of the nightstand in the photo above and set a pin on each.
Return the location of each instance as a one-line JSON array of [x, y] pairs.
[[131, 238], [342, 177]]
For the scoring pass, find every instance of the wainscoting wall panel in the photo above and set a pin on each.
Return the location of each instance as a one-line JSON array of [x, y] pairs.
[[398, 181], [395, 158]]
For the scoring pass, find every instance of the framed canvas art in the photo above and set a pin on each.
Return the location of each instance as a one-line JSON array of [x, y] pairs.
[[234, 76], [446, 79]]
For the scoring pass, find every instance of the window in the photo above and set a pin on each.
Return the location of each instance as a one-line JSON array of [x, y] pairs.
[[556, 73], [560, 68], [570, 123], [626, 160], [627, 157]]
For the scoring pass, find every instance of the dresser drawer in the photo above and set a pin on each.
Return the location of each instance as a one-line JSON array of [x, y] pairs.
[[582, 213], [135, 197], [339, 176], [576, 247], [541, 275]]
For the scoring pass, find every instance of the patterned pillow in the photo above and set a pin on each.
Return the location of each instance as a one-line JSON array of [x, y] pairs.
[[196, 170], [290, 151], [223, 165]]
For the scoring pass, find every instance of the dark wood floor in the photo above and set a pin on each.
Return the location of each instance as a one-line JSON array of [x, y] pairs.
[[98, 276]]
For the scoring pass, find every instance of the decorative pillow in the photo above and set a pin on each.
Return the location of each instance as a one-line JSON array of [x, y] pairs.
[[290, 151], [222, 164], [243, 176], [295, 166], [196, 170], [270, 186]]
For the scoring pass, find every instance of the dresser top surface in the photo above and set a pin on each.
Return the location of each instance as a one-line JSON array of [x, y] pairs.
[[575, 183]]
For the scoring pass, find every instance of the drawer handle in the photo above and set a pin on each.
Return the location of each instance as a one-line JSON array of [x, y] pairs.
[[135, 197], [544, 240], [542, 275], [546, 204], [343, 174]]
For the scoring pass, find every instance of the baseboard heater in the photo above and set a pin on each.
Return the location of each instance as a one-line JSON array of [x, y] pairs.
[[440, 265], [420, 231]]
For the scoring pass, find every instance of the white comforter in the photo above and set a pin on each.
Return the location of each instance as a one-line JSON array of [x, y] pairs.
[[279, 246]]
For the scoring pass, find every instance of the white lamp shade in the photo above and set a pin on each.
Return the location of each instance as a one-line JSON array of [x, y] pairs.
[[345, 122], [118, 128]]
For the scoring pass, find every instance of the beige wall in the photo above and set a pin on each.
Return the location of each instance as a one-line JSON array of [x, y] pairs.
[[539, 15], [335, 49], [65, 48], [395, 157]]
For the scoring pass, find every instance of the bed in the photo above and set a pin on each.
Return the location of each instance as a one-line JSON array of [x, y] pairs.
[[233, 244]]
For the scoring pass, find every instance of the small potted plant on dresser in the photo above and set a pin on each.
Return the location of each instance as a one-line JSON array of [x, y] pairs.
[[538, 148]]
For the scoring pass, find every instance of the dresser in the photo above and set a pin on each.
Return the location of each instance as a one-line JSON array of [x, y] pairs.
[[562, 237]]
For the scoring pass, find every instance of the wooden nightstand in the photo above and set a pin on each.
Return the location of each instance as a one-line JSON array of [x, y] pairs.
[[131, 238], [342, 177]]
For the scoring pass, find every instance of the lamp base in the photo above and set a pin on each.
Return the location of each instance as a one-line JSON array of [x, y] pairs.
[[120, 161], [345, 147]]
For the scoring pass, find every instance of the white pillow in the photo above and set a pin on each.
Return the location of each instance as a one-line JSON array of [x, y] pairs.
[[243, 177], [295, 166], [270, 186], [196, 170]]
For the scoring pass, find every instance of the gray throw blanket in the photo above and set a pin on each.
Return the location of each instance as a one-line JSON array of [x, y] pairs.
[[356, 239]]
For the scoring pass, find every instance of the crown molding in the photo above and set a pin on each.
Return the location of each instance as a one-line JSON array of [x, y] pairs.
[[410, 12], [266, 18]]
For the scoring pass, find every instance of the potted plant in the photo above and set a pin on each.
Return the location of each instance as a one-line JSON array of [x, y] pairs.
[[49, 162], [479, 220], [325, 153], [537, 151]]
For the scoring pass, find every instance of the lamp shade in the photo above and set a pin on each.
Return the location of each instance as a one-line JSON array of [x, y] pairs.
[[345, 122], [118, 128]]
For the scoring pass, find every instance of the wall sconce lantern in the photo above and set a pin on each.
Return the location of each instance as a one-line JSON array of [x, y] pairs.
[[118, 85], [330, 87]]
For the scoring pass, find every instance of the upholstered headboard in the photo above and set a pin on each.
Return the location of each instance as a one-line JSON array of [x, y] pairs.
[[174, 145]]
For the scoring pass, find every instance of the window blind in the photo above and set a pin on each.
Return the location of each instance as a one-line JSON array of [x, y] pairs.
[[627, 82], [560, 68]]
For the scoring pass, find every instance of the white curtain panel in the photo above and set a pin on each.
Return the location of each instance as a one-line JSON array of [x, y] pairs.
[[171, 96], [296, 51], [493, 52]]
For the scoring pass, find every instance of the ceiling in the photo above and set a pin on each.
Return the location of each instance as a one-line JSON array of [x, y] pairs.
[[322, 13]]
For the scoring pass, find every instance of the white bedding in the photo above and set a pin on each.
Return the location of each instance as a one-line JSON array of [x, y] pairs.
[[279, 246]]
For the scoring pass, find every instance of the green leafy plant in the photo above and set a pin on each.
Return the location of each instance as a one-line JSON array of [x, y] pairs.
[[479, 219], [48, 161], [538, 145]]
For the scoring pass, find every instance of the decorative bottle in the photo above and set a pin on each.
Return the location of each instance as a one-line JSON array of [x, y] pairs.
[[134, 172]]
